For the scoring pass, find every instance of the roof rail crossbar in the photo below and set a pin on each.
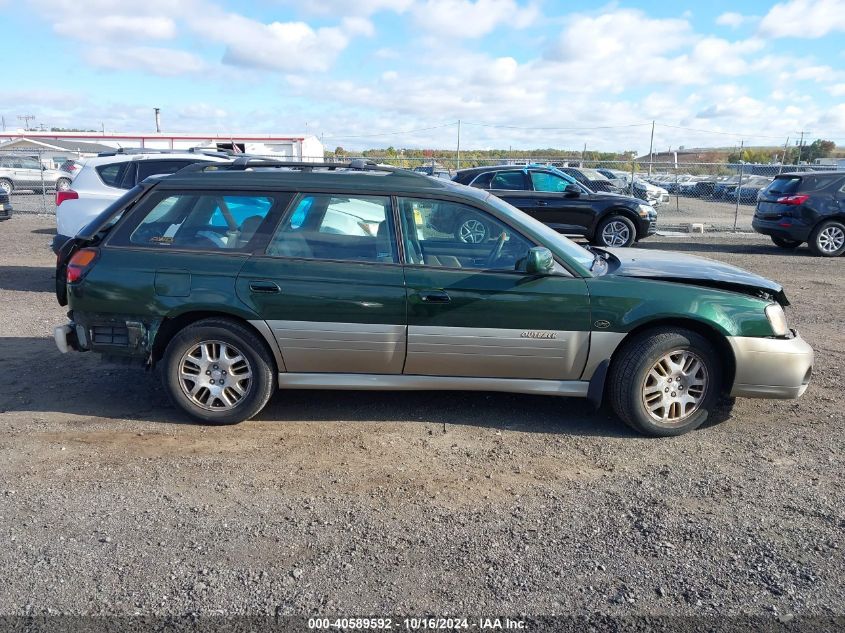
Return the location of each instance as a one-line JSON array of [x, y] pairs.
[[243, 162], [206, 151]]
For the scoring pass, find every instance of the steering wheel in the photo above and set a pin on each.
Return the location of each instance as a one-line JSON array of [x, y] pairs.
[[497, 250]]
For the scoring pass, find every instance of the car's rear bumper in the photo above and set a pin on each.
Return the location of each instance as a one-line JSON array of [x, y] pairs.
[[786, 228], [771, 367]]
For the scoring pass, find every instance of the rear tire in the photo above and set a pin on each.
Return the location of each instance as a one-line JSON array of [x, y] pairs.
[[6, 185], [615, 231], [828, 239], [218, 371], [665, 382], [782, 242]]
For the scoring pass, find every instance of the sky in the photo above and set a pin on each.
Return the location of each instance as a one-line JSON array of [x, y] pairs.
[[372, 73]]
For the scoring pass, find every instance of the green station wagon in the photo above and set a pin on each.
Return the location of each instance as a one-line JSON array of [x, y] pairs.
[[237, 278]]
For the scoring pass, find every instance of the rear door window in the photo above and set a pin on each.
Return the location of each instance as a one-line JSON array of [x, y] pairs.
[[508, 181], [112, 174]]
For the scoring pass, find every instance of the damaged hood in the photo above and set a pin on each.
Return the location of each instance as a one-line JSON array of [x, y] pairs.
[[689, 269]]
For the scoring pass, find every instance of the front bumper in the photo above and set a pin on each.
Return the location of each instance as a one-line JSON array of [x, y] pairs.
[[771, 367]]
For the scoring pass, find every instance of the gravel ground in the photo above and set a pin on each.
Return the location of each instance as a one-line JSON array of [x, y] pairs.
[[410, 503]]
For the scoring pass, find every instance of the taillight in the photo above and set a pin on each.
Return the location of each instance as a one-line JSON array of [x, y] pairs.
[[794, 200], [68, 194], [82, 261]]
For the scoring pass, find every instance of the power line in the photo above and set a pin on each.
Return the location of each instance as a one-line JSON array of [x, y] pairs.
[[734, 134], [595, 127], [422, 129]]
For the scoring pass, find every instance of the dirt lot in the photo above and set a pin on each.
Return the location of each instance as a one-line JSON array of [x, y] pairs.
[[410, 503]]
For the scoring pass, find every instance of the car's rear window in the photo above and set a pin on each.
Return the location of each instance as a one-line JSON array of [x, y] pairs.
[[785, 185]]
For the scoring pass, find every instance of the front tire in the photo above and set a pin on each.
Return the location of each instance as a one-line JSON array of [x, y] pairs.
[[666, 382], [615, 231], [6, 185], [782, 242], [218, 371], [828, 239]]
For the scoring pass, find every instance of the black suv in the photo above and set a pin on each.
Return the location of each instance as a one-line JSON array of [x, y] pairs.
[[804, 207], [569, 207]]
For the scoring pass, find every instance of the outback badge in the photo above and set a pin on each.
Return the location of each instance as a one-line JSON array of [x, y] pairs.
[[538, 334], [602, 324]]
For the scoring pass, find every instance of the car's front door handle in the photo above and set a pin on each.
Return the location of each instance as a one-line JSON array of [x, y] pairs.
[[435, 296], [542, 203], [264, 287]]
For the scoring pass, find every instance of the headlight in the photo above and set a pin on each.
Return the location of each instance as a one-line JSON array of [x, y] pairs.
[[777, 319], [645, 210]]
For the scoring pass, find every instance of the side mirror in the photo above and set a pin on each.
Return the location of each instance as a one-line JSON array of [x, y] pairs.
[[572, 190], [540, 261], [43, 168]]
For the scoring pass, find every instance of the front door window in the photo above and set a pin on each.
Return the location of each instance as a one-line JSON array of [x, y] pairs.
[[445, 234]]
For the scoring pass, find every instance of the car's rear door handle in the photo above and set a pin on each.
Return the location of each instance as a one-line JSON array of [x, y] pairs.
[[264, 287], [435, 296], [542, 203]]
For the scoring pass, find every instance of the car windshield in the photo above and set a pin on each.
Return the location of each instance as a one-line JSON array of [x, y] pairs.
[[572, 250]]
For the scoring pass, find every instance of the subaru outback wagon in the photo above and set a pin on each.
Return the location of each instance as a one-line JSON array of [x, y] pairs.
[[242, 277]]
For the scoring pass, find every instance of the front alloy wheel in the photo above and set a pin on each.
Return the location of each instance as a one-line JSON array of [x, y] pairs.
[[665, 381], [471, 230], [675, 387], [616, 231]]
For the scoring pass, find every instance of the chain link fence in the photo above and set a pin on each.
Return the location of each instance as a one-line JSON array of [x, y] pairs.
[[31, 177]]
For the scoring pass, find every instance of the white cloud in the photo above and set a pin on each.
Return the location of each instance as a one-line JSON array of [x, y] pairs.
[[804, 19], [472, 18], [116, 27], [837, 90], [735, 20], [620, 34], [158, 61]]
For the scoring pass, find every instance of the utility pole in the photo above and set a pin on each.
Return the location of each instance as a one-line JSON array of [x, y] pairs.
[[800, 148], [583, 154], [739, 184], [3, 120], [26, 118], [158, 119], [783, 160], [651, 149], [458, 152]]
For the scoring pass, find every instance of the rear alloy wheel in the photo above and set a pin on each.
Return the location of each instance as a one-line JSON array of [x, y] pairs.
[[616, 230], [471, 230], [785, 243], [828, 239], [218, 371], [665, 382], [6, 185], [63, 184]]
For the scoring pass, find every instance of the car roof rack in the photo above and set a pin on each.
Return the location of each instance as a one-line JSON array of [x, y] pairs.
[[205, 151], [245, 161]]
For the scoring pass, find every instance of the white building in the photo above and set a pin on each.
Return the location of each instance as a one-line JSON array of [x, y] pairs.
[[53, 152], [293, 147]]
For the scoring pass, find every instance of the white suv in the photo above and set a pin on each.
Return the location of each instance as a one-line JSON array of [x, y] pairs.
[[103, 179]]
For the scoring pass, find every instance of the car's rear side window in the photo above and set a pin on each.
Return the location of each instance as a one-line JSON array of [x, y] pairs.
[[112, 174], [204, 221]]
